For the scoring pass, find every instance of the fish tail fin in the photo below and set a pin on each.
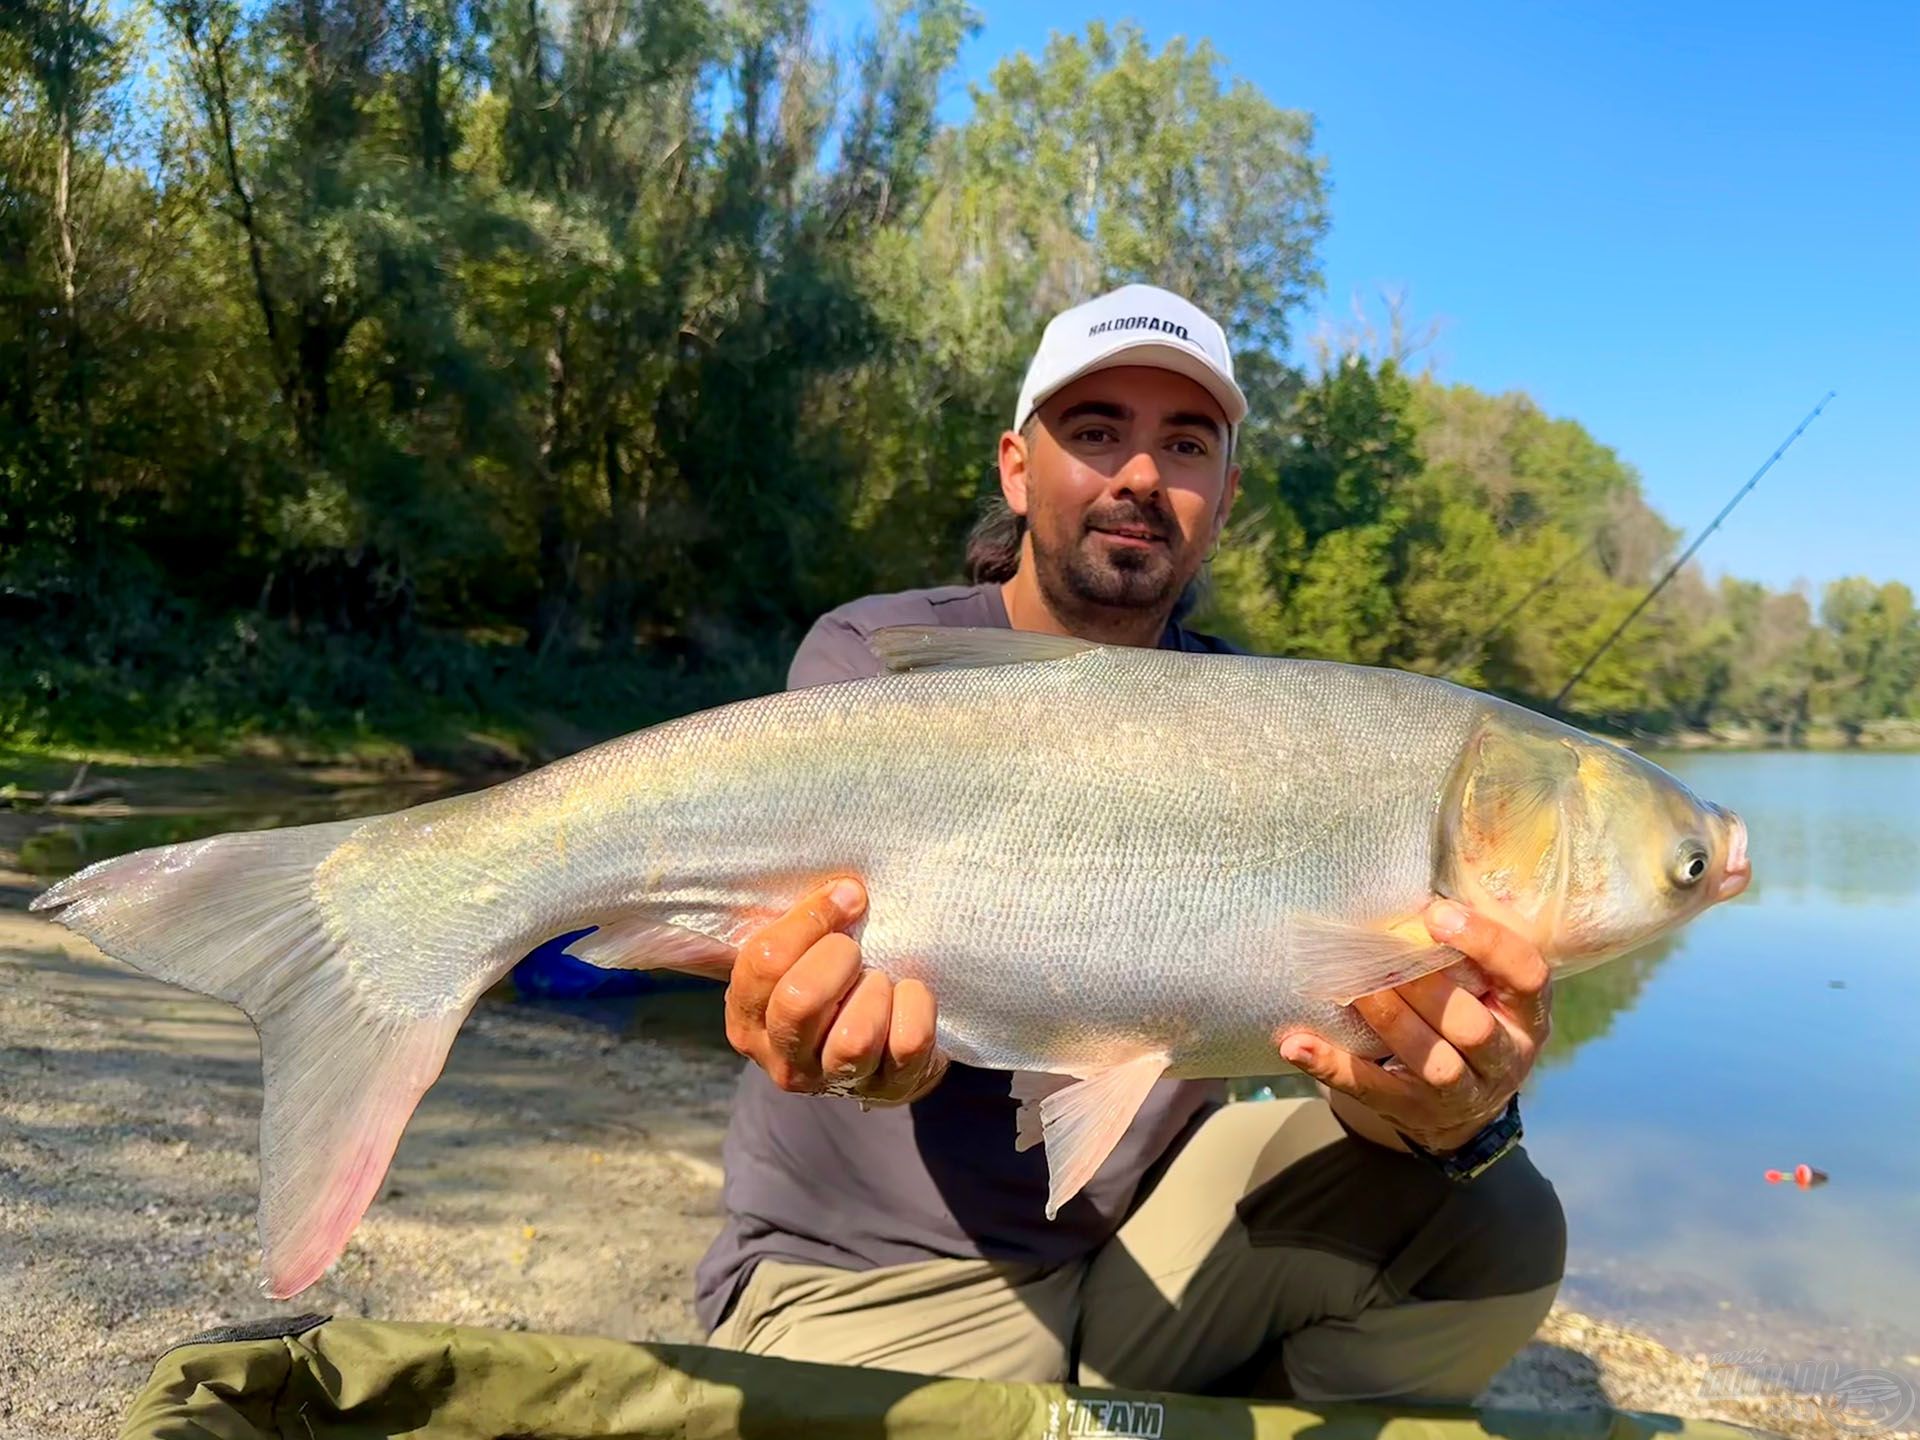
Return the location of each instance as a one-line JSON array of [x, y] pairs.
[[338, 1094], [235, 916]]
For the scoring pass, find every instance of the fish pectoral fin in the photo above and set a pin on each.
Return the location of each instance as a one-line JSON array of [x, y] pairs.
[[1511, 807], [1030, 1087], [637, 942], [958, 647], [1339, 962], [1083, 1120]]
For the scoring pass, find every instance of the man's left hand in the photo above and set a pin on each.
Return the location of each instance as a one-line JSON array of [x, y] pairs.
[[1457, 1058]]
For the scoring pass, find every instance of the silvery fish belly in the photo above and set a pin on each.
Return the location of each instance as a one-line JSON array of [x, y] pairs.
[[1086, 858], [1109, 865]]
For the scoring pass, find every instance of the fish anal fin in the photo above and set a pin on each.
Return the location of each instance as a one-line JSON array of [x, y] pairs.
[[1030, 1087], [959, 647], [1082, 1121], [1338, 962], [638, 942]]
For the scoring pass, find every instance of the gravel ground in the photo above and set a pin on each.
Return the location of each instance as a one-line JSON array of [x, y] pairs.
[[557, 1178]]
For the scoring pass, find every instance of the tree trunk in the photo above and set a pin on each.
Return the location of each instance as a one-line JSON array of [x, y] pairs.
[[626, 519], [551, 610], [436, 151], [209, 55], [65, 85]]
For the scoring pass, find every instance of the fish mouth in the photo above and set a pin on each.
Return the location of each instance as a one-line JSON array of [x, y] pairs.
[[1739, 869]]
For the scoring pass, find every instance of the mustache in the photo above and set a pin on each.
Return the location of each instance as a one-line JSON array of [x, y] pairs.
[[1133, 517]]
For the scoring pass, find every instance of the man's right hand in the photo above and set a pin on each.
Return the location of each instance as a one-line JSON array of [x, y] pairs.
[[802, 1007]]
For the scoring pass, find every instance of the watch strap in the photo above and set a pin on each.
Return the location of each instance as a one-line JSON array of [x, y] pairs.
[[1494, 1141]]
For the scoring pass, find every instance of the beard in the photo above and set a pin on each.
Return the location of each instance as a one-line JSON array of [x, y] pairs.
[[1087, 571]]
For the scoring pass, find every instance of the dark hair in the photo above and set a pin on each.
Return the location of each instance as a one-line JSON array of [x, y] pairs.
[[993, 546]]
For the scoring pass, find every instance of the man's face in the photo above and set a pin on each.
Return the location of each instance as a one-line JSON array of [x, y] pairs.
[[1125, 483]]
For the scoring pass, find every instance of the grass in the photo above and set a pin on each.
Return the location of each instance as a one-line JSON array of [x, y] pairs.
[[141, 692]]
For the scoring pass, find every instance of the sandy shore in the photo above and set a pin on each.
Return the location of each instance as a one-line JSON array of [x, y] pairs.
[[557, 1178]]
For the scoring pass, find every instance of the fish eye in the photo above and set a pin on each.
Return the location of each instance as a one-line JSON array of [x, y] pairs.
[[1690, 865]]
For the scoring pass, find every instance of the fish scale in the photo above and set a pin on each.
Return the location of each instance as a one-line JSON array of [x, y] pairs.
[[1139, 894]]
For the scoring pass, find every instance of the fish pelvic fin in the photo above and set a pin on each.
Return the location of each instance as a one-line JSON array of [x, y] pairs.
[[235, 916], [1082, 1120], [961, 647], [1339, 963]]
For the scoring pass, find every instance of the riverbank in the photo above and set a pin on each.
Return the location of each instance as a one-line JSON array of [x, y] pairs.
[[478, 750], [560, 1177], [1879, 736]]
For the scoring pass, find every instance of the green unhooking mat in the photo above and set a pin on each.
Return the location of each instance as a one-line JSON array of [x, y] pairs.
[[319, 1379]]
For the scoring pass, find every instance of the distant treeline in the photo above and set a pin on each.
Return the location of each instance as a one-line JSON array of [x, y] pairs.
[[368, 366]]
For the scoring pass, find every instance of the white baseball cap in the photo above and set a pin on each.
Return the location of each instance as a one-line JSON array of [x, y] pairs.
[[1134, 325]]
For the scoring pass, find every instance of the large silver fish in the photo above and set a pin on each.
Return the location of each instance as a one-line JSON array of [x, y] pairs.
[[1108, 864]]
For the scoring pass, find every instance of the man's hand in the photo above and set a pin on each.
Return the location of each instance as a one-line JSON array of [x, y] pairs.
[[1457, 1058], [802, 1007]]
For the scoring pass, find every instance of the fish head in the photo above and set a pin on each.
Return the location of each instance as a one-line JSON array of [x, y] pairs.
[[1581, 845]]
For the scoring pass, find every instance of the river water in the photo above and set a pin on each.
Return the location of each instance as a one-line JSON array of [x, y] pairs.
[[1779, 1030]]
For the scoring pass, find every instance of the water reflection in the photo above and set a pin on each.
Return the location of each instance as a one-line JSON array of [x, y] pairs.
[[1584, 1005]]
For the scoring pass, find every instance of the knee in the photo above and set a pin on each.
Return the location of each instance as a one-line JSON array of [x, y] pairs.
[[1510, 1237]]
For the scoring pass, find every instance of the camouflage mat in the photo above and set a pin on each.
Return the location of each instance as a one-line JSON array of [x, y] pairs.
[[312, 1378]]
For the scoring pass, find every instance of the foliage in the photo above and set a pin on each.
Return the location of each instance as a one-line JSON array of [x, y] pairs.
[[388, 367], [1440, 529]]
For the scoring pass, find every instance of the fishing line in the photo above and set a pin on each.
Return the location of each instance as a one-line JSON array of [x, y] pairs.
[[1474, 646], [1686, 555]]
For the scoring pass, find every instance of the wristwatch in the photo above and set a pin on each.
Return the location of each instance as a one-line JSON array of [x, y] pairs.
[[1499, 1136]]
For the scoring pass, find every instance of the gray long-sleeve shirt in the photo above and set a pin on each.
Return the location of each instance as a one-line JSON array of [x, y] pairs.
[[815, 1180]]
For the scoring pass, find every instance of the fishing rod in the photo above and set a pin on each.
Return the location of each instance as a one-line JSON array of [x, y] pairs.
[[1686, 555]]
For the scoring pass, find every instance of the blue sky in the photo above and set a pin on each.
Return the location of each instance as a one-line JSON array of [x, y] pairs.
[[1678, 224]]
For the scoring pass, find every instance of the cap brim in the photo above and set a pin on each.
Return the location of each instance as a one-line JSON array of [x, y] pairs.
[[1161, 355]]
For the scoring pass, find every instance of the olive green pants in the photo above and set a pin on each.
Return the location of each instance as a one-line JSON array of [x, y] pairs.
[[1275, 1256]]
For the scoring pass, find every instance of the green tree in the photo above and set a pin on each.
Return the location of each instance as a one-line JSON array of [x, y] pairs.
[[1872, 669], [376, 364], [1163, 172]]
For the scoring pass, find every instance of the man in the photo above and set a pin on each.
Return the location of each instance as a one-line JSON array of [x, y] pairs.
[[1356, 1246]]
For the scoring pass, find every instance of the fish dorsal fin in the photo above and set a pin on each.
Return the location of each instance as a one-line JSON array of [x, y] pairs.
[[1082, 1120], [1505, 826], [957, 647]]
